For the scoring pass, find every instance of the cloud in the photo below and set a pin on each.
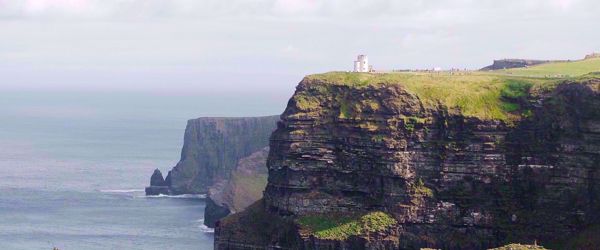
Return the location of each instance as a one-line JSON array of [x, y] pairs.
[[158, 39], [349, 11]]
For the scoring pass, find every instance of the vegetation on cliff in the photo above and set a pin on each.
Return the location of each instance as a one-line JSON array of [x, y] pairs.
[[474, 94], [560, 69], [344, 151], [489, 95], [342, 226]]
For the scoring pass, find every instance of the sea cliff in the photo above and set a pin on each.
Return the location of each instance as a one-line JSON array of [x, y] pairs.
[[363, 161], [219, 157]]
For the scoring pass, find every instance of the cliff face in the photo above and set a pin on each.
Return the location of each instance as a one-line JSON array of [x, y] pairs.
[[224, 158], [449, 181], [212, 148], [244, 186]]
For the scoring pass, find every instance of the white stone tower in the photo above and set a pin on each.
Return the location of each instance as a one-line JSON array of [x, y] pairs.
[[361, 64]]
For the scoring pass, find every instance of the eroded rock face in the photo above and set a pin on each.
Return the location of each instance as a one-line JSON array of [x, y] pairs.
[[224, 158], [158, 185], [244, 187], [452, 182], [211, 150], [157, 179]]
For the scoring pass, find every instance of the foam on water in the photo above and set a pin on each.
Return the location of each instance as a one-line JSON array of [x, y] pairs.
[[122, 190], [206, 229], [180, 196]]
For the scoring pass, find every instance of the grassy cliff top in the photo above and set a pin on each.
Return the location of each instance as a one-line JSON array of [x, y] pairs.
[[557, 69], [482, 94]]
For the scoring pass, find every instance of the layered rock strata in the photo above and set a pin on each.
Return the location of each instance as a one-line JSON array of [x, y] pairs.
[[212, 148], [450, 181], [224, 158]]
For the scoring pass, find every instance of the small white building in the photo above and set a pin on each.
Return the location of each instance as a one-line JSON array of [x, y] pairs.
[[362, 64]]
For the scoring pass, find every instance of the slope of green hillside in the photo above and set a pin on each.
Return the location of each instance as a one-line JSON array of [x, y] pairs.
[[559, 69], [486, 95], [477, 94]]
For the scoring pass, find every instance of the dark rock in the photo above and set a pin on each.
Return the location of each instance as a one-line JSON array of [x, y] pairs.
[[212, 148], [157, 190], [243, 188], [157, 179], [211, 152], [168, 179], [157, 184], [450, 181], [214, 212]]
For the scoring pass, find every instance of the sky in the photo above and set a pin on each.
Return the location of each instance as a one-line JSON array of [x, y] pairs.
[[257, 46]]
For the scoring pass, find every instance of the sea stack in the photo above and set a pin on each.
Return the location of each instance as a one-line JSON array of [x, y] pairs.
[[158, 185]]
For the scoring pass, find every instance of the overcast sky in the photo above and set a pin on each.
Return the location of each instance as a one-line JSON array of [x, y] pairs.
[[268, 45]]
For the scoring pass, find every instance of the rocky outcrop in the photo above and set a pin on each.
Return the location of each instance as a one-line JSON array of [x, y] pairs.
[[244, 186], [157, 179], [450, 181], [515, 63], [158, 185], [212, 148], [224, 158]]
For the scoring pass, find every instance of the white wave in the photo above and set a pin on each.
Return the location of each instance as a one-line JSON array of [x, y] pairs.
[[121, 190], [181, 196], [206, 229], [200, 220]]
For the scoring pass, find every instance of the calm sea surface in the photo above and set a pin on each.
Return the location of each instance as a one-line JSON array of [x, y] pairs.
[[73, 167]]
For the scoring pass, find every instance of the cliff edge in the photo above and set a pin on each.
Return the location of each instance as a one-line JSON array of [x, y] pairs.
[[224, 158], [399, 161]]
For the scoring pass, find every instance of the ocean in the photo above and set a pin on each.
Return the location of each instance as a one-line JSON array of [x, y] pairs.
[[73, 167]]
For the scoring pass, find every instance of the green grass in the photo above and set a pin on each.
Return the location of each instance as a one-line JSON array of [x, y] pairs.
[[476, 94], [420, 189], [566, 69], [483, 94], [340, 227], [306, 102]]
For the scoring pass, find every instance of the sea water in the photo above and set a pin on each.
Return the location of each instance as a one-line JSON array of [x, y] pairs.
[[73, 167]]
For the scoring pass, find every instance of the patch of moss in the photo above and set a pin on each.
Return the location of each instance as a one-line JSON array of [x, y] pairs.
[[378, 138], [342, 226], [419, 188], [345, 111], [510, 107], [410, 127], [370, 126], [515, 89], [307, 103], [372, 104]]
